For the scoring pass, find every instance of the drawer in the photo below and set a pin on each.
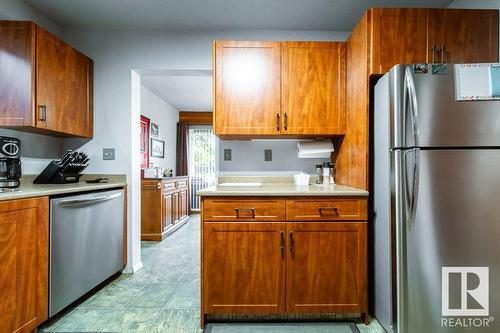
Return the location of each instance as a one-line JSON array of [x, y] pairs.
[[182, 183], [168, 186], [244, 209], [327, 209]]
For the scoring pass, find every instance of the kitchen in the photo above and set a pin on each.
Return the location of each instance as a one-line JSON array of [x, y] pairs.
[[297, 104]]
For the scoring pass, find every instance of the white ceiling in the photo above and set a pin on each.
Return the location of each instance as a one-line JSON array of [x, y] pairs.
[[187, 92], [331, 15]]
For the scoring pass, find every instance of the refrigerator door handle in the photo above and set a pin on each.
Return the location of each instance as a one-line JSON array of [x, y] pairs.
[[411, 197], [410, 101]]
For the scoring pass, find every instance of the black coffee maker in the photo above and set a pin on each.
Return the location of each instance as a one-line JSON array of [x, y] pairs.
[[10, 163]]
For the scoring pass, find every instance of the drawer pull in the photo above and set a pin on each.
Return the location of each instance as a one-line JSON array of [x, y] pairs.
[[325, 209], [282, 243], [252, 210], [292, 243]]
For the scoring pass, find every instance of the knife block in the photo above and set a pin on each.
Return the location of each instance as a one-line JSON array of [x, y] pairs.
[[56, 174]]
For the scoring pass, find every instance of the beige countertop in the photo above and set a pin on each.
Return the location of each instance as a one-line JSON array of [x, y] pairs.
[[30, 190], [283, 189]]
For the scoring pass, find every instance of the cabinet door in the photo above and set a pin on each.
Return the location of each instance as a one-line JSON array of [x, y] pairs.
[[63, 89], [399, 37], [167, 211], [24, 249], [183, 203], [326, 267], [468, 36], [243, 267], [247, 88], [314, 82], [175, 207]]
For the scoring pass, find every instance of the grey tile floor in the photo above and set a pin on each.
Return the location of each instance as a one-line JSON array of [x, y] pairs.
[[164, 296]]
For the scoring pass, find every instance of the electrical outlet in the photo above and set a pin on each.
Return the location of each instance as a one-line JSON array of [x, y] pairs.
[[108, 154], [227, 155], [268, 155]]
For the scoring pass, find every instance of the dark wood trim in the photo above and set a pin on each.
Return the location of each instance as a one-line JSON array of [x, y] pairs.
[[196, 118]]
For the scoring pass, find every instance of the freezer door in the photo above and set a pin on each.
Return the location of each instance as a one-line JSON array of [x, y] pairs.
[[424, 112], [449, 250]]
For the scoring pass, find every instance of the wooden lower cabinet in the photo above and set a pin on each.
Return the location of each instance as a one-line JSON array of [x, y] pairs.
[[244, 267], [288, 266], [24, 233], [326, 267], [164, 206]]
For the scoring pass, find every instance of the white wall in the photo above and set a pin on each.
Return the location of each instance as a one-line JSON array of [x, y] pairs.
[[166, 116], [20, 11]]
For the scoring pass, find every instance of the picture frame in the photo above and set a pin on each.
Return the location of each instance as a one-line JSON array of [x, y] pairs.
[[155, 130], [144, 142], [157, 148]]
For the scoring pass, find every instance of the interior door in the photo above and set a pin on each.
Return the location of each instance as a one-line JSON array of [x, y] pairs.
[[468, 36], [247, 88], [313, 88], [455, 226], [326, 263], [399, 37], [245, 264], [62, 86]]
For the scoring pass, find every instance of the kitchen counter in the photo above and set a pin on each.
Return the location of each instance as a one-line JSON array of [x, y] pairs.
[[283, 190], [30, 190]]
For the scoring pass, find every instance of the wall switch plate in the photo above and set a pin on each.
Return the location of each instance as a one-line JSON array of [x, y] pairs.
[[227, 155], [268, 155], [108, 154]]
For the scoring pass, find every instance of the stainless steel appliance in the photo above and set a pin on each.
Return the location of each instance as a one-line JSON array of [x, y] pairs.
[[86, 244], [10, 163], [436, 205]]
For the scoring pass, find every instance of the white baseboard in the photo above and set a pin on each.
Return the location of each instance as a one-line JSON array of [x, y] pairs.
[[134, 269]]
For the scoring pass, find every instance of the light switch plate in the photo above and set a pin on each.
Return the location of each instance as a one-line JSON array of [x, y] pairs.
[[268, 155], [108, 154], [227, 155]]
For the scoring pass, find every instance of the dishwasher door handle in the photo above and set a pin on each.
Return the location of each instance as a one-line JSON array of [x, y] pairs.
[[89, 201]]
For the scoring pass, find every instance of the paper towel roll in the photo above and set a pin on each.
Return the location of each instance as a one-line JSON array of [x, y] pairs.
[[314, 149]]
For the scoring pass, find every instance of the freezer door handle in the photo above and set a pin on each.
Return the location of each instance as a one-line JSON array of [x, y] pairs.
[[410, 102], [411, 197]]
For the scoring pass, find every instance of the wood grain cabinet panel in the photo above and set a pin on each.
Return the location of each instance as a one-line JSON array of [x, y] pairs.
[[313, 88], [244, 268], [243, 209], [468, 36], [24, 246], [399, 37], [164, 207], [328, 209], [247, 87], [46, 86], [326, 267]]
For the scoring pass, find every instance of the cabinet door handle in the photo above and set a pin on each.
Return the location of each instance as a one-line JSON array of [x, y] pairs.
[[286, 121], [43, 112], [282, 243], [277, 121], [158, 186], [334, 209], [252, 210], [292, 243]]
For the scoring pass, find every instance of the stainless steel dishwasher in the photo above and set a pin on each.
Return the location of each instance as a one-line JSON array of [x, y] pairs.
[[86, 244]]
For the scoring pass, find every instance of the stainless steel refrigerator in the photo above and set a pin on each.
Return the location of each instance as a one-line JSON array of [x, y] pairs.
[[436, 202]]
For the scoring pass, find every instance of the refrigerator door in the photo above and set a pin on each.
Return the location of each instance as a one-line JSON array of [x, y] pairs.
[[424, 112], [449, 250]]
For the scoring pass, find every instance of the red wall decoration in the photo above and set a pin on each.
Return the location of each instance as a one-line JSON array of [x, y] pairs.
[[145, 121]]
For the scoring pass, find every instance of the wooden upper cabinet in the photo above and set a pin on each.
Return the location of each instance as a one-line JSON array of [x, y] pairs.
[[24, 246], [247, 88], [46, 86], [326, 267], [399, 36], [313, 83], [468, 36], [62, 86]]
